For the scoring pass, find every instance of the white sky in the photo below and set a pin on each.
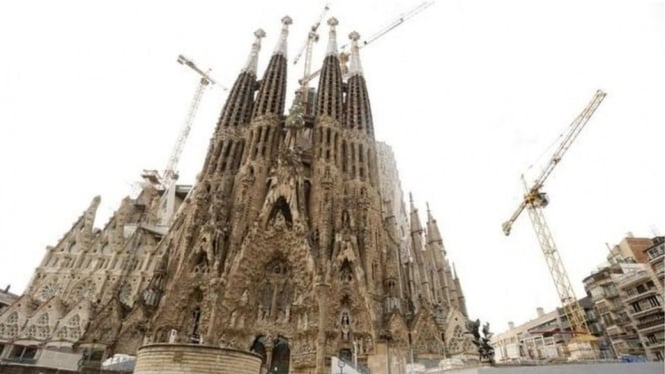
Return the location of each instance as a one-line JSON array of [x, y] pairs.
[[468, 93]]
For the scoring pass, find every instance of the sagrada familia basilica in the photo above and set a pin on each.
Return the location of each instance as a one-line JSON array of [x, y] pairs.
[[294, 243]]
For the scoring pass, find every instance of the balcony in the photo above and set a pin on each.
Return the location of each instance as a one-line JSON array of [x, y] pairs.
[[638, 276], [660, 273], [647, 311], [637, 296], [21, 360], [659, 343], [651, 326], [614, 330]]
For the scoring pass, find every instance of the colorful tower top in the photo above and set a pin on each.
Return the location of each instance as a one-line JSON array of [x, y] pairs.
[[332, 37], [280, 48], [253, 58], [355, 68]]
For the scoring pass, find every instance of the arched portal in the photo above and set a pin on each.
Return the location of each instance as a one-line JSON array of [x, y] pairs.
[[281, 355], [259, 348]]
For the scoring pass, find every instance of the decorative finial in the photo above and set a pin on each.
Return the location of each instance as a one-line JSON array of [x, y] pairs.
[[332, 39], [354, 67], [252, 60], [281, 44]]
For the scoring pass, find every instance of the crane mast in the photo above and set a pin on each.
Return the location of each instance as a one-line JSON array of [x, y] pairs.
[[344, 56], [534, 201], [312, 37], [170, 175]]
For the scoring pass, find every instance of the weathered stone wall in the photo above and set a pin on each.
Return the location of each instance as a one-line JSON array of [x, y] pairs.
[[193, 359]]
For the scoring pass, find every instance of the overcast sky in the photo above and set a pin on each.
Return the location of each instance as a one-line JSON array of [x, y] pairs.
[[469, 94]]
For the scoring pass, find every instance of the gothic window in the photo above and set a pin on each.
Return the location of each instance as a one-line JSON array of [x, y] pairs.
[[201, 262], [71, 246], [344, 161], [48, 291], [12, 331], [84, 290], [13, 318], [280, 357], [259, 347], [346, 273], [196, 320], [282, 207], [43, 319], [74, 321], [74, 333], [43, 332], [345, 219], [275, 293]]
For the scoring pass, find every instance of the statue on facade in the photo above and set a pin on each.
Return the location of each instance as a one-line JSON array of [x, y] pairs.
[[485, 349]]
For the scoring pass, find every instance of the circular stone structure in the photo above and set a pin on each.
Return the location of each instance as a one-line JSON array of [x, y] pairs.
[[194, 359]]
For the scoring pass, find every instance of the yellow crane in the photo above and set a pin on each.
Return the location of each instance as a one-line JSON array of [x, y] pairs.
[[534, 201]]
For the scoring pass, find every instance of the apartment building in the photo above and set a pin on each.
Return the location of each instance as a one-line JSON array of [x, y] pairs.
[[544, 338], [656, 257], [642, 297]]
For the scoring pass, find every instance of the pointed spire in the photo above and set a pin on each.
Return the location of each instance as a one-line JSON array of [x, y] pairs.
[[280, 48], [433, 234], [329, 99], [358, 110], [253, 58], [239, 104], [454, 272], [272, 91], [355, 67], [332, 37], [416, 226]]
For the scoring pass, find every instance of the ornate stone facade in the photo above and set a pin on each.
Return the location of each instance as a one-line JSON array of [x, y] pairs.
[[294, 244]]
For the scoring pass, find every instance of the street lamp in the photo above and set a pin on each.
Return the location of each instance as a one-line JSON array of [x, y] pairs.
[[341, 365]]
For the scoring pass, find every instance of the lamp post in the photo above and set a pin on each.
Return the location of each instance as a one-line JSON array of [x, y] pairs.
[[341, 365]]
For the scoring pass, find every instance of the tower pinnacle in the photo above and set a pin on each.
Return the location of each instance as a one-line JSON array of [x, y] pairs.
[[332, 37], [252, 60], [281, 44], [354, 67]]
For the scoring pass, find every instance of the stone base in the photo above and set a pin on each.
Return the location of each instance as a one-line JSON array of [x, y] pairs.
[[194, 359]]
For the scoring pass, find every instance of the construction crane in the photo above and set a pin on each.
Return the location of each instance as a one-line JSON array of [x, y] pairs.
[[170, 175], [344, 56], [534, 201], [312, 37]]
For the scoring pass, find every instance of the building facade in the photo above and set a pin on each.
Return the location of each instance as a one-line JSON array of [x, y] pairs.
[[544, 338], [642, 297], [629, 302], [656, 256], [293, 244]]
